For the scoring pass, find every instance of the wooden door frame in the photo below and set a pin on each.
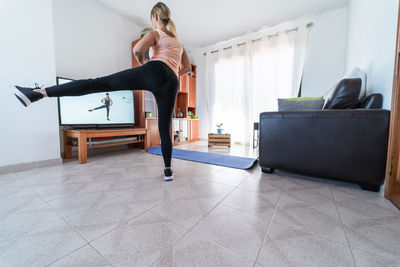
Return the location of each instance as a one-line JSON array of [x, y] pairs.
[[393, 155]]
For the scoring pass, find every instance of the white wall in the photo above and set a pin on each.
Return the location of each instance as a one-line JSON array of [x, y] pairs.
[[91, 40], [372, 41], [27, 56], [324, 65], [326, 54]]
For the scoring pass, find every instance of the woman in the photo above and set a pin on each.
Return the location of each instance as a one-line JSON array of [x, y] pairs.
[[107, 103], [160, 75]]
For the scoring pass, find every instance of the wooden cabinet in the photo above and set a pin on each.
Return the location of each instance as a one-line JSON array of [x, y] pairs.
[[192, 92], [153, 135], [194, 130], [183, 84]]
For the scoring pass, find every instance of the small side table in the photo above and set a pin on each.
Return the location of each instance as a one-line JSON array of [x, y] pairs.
[[219, 139]]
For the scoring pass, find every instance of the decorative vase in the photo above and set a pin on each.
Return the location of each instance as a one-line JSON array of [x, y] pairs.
[[219, 131], [179, 113]]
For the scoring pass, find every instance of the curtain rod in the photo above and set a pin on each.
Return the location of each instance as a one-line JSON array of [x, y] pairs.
[[309, 25]]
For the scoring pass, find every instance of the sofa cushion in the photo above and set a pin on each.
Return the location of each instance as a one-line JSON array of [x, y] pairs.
[[373, 101], [298, 104], [359, 73], [344, 95]]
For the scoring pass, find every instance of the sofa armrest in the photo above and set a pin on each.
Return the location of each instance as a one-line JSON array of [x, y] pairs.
[[340, 144]]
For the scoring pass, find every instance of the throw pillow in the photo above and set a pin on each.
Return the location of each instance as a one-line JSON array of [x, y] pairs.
[[291, 104], [359, 73], [355, 73], [345, 95], [304, 98]]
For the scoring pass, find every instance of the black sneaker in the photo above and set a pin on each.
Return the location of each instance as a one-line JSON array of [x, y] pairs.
[[168, 175], [26, 96]]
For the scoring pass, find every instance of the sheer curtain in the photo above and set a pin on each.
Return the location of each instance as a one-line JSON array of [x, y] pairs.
[[242, 81]]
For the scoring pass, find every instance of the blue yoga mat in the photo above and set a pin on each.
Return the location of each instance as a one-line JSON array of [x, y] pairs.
[[210, 158]]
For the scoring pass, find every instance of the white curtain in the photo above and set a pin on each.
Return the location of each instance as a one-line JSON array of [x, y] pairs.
[[245, 80]]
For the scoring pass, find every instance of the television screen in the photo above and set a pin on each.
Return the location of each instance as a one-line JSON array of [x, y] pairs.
[[106, 108]]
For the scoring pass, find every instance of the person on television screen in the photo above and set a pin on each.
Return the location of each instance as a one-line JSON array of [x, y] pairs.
[[107, 103], [159, 75]]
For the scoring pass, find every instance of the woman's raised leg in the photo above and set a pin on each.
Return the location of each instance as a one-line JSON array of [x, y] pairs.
[[130, 79], [144, 77]]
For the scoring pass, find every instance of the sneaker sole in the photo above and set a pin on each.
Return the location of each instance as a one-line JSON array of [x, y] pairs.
[[22, 98], [168, 178]]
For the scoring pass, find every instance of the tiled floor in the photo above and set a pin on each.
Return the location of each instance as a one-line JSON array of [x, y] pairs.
[[116, 211]]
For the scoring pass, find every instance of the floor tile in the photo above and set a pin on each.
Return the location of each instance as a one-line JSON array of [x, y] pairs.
[[332, 232], [85, 256], [16, 191], [202, 188], [223, 177], [264, 182], [75, 203], [96, 221], [261, 204], [25, 218], [298, 181], [184, 212], [367, 259], [140, 242], [158, 191], [307, 251], [358, 213], [235, 230], [193, 250], [306, 197], [307, 215], [10, 180], [42, 246], [13, 204], [382, 238]]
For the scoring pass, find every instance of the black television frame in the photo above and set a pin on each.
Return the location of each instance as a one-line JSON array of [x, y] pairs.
[[94, 126]]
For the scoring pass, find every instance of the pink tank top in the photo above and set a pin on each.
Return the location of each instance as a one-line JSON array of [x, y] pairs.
[[168, 50]]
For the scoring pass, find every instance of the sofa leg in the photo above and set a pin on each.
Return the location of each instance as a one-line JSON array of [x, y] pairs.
[[370, 187], [267, 170]]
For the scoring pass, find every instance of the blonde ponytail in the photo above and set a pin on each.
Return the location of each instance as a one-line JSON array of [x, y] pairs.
[[171, 28], [162, 11]]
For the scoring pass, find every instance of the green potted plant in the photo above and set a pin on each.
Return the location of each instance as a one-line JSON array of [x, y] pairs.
[[147, 114], [219, 128]]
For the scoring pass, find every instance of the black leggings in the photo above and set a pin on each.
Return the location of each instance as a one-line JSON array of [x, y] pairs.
[[154, 76], [104, 106]]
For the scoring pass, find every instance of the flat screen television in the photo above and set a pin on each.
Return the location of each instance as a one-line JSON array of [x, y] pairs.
[[97, 110]]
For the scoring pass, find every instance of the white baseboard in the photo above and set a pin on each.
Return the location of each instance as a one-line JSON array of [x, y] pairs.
[[29, 165]]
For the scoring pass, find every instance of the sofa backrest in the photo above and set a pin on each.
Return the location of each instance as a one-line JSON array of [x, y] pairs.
[[373, 101]]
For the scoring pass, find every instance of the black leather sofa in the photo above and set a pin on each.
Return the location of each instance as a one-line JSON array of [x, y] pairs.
[[342, 144]]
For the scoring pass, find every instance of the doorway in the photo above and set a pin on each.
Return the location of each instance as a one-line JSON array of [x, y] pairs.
[[392, 188]]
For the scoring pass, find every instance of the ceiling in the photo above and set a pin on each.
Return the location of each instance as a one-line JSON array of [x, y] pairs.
[[206, 22]]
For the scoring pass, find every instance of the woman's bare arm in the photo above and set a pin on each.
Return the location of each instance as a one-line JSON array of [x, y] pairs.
[[143, 45], [185, 64]]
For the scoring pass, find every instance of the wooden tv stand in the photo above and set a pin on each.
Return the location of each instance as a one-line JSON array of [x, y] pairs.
[[83, 135]]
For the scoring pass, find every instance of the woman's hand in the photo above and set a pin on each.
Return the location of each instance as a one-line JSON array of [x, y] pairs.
[[143, 45]]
